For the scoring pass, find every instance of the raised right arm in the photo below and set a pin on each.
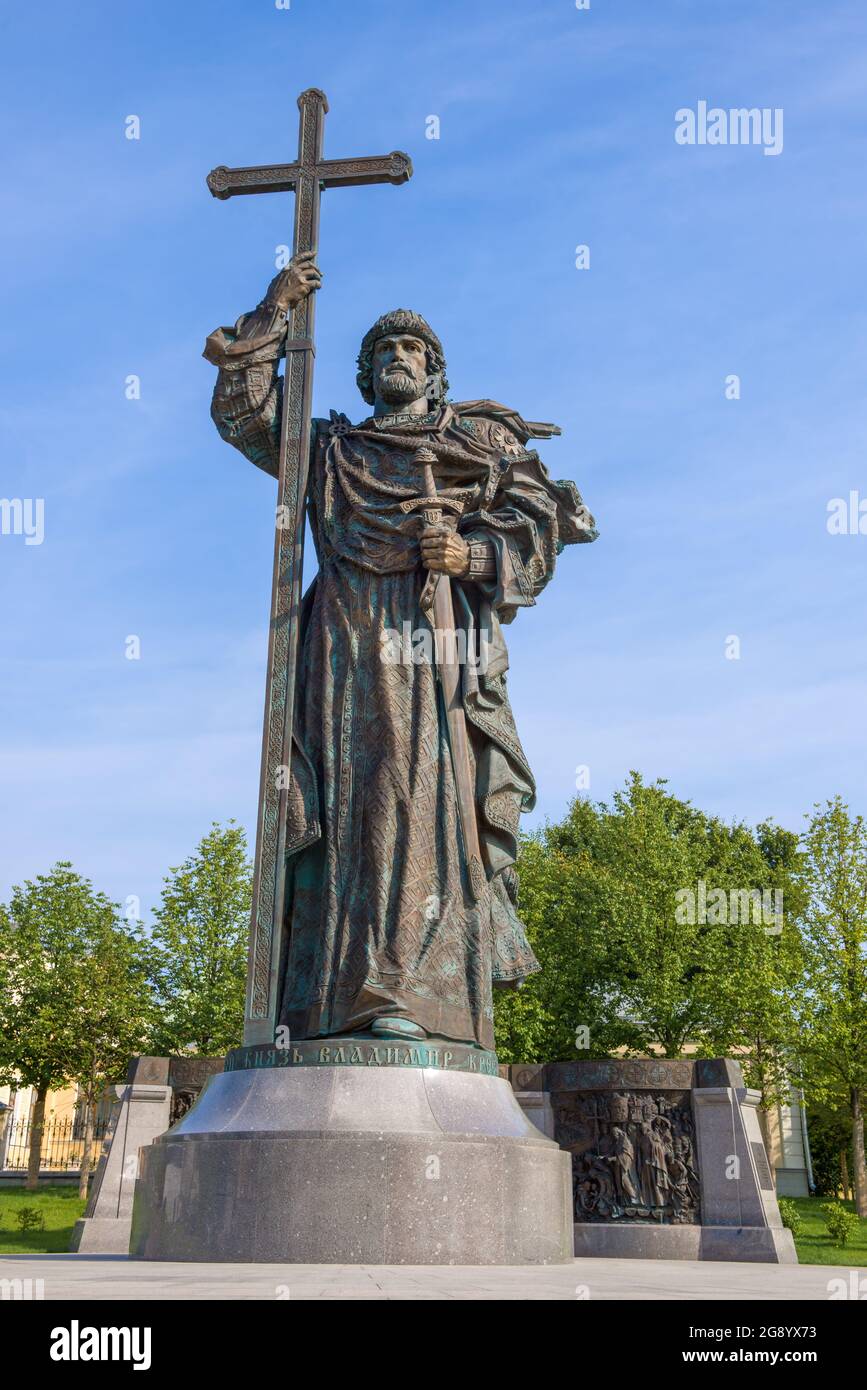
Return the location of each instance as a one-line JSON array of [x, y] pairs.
[[248, 396]]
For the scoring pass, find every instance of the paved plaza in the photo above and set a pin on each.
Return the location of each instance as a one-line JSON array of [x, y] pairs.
[[111, 1277]]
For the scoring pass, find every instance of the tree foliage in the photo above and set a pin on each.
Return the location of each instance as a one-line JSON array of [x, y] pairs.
[[199, 947], [620, 908], [74, 997], [831, 1001]]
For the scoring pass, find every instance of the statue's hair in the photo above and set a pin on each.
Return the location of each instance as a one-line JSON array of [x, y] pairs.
[[403, 321]]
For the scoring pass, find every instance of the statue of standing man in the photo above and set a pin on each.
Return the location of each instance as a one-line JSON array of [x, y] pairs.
[[388, 933]]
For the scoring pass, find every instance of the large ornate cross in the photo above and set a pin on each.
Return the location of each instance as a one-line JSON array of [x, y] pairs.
[[308, 176]]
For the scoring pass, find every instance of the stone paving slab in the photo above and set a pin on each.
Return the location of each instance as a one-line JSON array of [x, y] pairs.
[[113, 1277]]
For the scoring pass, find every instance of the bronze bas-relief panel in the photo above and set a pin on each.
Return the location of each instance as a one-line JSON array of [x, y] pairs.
[[633, 1155]]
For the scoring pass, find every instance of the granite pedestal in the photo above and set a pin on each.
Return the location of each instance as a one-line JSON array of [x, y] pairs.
[[376, 1162]]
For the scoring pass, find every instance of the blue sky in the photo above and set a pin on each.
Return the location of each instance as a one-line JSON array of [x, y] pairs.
[[556, 129]]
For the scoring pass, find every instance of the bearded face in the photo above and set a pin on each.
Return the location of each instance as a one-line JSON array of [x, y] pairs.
[[399, 369]]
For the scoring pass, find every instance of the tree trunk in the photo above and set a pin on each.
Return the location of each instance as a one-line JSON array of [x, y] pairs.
[[844, 1175], [87, 1150], [859, 1163], [37, 1125]]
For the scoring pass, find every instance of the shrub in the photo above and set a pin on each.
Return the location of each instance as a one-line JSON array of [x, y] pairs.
[[840, 1222], [791, 1216], [30, 1219]]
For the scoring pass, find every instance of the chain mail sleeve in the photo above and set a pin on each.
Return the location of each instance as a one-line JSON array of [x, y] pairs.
[[248, 396]]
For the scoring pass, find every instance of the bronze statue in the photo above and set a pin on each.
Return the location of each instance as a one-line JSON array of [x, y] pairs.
[[434, 523]]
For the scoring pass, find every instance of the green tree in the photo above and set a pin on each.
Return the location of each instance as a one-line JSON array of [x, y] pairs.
[[613, 899], [756, 964], [831, 1002], [112, 1015], [830, 1131], [67, 972], [539, 1022], [199, 947]]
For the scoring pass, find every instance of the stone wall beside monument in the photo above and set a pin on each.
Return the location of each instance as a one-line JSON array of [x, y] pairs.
[[668, 1160]]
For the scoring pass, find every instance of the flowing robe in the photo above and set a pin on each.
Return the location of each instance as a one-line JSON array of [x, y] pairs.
[[380, 921]]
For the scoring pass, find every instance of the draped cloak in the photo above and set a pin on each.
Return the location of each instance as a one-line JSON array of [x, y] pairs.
[[380, 921]]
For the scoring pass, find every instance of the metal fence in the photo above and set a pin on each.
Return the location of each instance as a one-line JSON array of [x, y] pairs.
[[62, 1144]]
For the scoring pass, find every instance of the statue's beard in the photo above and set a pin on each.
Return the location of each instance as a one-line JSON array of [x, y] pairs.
[[399, 388]]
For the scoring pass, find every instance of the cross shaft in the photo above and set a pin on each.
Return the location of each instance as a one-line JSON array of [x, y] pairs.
[[307, 177]]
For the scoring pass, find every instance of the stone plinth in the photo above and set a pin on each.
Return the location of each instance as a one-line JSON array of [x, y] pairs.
[[668, 1159], [537, 1106], [368, 1163], [140, 1111]]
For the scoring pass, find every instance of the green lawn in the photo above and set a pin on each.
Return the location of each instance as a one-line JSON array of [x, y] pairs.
[[814, 1244], [59, 1207]]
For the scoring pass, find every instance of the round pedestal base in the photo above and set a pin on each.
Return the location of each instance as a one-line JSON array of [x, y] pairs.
[[345, 1165]]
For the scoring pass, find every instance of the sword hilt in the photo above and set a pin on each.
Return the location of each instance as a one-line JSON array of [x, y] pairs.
[[433, 515], [433, 504]]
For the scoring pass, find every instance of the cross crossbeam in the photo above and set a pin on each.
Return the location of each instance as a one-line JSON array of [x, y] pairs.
[[330, 173]]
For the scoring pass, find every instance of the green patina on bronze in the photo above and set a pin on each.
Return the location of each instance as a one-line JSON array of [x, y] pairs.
[[392, 788], [357, 1051]]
